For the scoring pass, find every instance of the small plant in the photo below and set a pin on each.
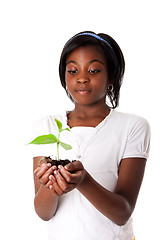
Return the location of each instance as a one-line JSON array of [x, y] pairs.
[[50, 138]]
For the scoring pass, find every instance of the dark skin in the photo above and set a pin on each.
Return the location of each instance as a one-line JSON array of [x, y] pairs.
[[87, 81]]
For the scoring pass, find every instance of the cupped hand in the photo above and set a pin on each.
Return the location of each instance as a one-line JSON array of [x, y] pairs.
[[42, 173], [67, 178]]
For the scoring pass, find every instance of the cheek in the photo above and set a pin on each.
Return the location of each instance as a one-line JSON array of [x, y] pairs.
[[68, 77], [67, 80], [102, 84], [69, 84]]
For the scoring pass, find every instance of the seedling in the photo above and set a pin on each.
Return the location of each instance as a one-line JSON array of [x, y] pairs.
[[50, 138]]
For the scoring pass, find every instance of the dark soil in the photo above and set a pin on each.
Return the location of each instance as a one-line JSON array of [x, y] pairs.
[[58, 162], [55, 162]]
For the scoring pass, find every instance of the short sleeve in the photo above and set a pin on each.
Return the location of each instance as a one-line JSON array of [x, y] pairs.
[[138, 139]]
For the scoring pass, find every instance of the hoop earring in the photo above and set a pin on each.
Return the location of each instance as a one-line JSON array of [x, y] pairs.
[[68, 94], [110, 89], [66, 89], [110, 96]]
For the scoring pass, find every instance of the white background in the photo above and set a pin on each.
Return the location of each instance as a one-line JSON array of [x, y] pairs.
[[32, 35]]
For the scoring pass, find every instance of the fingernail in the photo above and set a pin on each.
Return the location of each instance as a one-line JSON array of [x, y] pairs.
[[55, 172], [52, 178], [60, 167]]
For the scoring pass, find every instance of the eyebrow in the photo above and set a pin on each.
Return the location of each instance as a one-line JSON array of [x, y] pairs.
[[96, 60], [71, 62], [92, 61]]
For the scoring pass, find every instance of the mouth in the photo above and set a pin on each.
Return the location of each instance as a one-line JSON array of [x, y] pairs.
[[83, 92]]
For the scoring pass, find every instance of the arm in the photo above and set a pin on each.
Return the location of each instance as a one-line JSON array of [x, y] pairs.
[[118, 205], [45, 201]]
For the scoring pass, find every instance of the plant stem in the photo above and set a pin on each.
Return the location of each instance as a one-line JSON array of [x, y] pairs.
[[57, 150], [58, 146]]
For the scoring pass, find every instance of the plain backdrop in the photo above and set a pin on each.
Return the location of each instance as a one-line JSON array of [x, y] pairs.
[[32, 35]]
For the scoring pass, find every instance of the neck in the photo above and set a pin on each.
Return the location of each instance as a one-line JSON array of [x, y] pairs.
[[83, 111]]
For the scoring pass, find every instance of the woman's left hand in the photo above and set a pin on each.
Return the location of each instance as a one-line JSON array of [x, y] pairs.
[[67, 178]]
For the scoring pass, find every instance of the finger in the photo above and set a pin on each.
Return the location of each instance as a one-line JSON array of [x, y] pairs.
[[45, 177], [74, 166], [55, 183], [42, 160], [63, 184], [65, 174], [51, 188], [37, 170], [41, 170], [72, 178], [48, 184], [53, 191]]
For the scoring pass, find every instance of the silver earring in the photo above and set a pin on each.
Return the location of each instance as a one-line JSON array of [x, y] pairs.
[[68, 94], [110, 89]]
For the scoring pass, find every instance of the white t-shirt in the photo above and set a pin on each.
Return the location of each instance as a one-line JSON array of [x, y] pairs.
[[101, 150]]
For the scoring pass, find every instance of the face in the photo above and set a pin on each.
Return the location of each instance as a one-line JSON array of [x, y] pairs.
[[86, 75]]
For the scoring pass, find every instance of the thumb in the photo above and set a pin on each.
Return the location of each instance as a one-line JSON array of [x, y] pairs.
[[74, 166]]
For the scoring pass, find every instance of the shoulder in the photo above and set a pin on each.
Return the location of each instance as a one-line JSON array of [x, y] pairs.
[[130, 120], [46, 124], [136, 133]]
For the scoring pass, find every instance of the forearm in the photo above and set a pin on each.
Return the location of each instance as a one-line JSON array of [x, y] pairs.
[[113, 206], [45, 203]]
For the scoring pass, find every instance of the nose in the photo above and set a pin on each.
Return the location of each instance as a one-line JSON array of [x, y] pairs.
[[83, 79]]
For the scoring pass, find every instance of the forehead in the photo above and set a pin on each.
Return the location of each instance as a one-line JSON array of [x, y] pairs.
[[86, 54]]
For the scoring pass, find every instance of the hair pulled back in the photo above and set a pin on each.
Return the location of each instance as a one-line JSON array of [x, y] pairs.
[[112, 52]]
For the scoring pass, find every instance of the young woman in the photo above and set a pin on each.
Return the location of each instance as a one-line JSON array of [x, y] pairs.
[[92, 198]]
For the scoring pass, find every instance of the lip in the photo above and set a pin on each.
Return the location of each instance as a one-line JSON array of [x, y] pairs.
[[83, 91]]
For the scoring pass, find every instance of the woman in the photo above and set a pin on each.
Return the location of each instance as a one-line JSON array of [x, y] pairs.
[[93, 197]]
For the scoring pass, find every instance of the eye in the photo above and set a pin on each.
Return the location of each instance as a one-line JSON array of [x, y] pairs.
[[94, 71], [72, 71]]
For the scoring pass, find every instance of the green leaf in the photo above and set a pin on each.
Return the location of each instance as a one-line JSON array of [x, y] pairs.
[[65, 146], [65, 129], [44, 139], [59, 124]]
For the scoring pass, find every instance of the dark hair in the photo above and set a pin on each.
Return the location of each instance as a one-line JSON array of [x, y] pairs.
[[112, 52]]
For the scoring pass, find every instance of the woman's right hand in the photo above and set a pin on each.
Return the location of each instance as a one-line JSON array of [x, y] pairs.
[[45, 201], [42, 173]]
